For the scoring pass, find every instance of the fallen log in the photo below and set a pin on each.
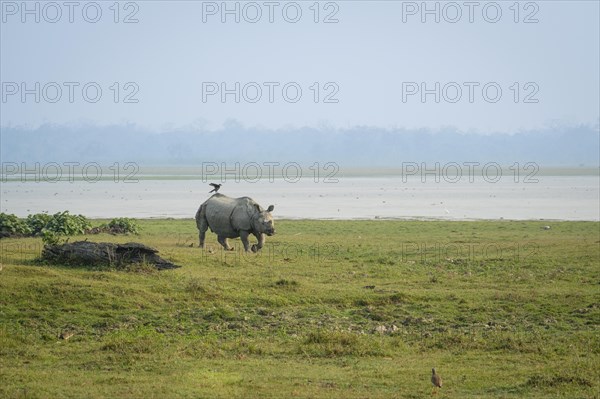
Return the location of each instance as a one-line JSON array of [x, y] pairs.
[[105, 254]]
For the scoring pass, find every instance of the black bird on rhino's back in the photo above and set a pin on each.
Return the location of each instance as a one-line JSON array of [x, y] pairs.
[[216, 187]]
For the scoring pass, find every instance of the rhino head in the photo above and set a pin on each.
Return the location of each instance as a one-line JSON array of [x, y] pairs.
[[263, 221]]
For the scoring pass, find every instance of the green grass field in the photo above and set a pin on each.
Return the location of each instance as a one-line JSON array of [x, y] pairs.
[[333, 309]]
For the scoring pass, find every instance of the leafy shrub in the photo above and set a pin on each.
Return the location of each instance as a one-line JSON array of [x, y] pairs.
[[50, 238], [123, 226], [37, 223], [63, 223], [10, 225], [52, 227]]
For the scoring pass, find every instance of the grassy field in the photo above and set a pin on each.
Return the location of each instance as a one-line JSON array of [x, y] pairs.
[[335, 309]]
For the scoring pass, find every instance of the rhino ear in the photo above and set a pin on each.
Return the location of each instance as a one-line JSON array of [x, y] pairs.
[[270, 209]]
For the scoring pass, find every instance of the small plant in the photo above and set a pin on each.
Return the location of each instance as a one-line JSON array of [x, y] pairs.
[[195, 287], [286, 283], [123, 226], [143, 267], [50, 238]]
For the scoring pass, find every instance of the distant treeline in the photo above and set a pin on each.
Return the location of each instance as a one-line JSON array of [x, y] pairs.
[[357, 147]]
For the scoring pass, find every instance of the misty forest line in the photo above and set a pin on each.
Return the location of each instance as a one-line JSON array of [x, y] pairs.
[[364, 147]]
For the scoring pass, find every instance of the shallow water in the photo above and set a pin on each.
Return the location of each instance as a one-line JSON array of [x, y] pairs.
[[552, 197]]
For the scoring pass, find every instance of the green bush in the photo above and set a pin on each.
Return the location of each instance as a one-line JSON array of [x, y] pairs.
[[124, 225], [37, 223], [52, 227], [50, 238], [10, 225], [63, 223]]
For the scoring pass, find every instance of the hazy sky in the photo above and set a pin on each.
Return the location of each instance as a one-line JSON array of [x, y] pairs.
[[371, 63]]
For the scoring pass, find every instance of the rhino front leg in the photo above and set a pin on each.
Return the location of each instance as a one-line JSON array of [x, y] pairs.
[[261, 241], [223, 241], [244, 237]]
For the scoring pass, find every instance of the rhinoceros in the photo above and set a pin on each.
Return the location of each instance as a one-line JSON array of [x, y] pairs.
[[234, 217]]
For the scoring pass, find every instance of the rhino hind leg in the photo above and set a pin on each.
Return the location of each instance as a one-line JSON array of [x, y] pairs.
[[202, 225], [201, 238], [223, 241]]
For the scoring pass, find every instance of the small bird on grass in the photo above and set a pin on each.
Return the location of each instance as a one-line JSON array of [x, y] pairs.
[[436, 380], [216, 187]]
